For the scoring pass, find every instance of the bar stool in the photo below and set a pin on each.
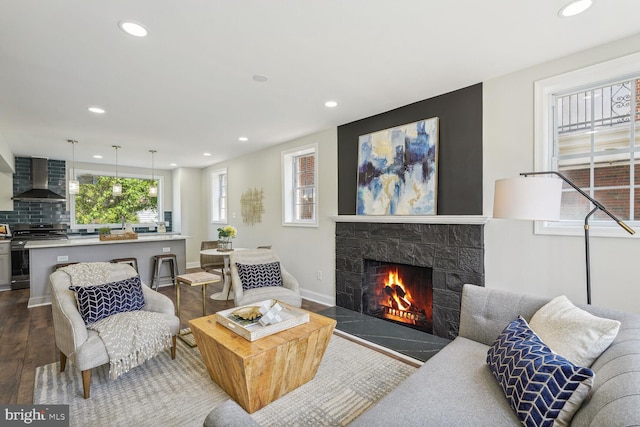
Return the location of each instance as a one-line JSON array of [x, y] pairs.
[[133, 262], [157, 268]]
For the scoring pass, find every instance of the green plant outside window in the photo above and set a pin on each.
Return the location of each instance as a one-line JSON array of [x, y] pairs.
[[95, 204]]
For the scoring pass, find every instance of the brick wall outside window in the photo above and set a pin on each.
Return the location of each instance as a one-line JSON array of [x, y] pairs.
[[615, 200]]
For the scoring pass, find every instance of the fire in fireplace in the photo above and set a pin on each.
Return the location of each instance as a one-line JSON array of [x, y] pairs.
[[399, 293]]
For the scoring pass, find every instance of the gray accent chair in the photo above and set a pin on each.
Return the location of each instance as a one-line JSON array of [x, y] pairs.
[[83, 346], [229, 414], [289, 292]]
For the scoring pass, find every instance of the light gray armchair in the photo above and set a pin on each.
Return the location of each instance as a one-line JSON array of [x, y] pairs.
[[289, 292], [83, 346]]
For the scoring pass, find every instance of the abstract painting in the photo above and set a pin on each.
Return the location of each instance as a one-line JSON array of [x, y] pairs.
[[398, 170]]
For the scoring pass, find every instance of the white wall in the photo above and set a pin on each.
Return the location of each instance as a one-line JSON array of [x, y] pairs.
[[7, 160], [188, 211], [303, 250], [7, 168], [515, 258]]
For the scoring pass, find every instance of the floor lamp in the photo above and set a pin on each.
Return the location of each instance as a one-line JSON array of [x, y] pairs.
[[539, 199]]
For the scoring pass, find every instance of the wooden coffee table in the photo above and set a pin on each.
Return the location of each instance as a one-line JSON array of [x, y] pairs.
[[255, 373]]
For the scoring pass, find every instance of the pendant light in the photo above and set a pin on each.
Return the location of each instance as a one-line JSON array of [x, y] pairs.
[[153, 188], [74, 184], [117, 187]]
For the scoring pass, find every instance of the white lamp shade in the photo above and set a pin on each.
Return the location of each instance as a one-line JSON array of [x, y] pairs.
[[74, 186], [528, 198], [153, 191], [117, 189]]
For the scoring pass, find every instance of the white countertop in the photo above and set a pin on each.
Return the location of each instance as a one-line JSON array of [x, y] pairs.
[[89, 241]]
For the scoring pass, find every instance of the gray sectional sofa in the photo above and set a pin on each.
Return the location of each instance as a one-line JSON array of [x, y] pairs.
[[456, 387]]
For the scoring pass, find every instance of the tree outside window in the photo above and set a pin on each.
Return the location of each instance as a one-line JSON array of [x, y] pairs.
[[95, 205]]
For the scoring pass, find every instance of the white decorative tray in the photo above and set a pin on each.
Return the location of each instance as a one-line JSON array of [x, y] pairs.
[[253, 330]]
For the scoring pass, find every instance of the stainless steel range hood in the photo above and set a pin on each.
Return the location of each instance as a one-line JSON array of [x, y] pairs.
[[40, 178]]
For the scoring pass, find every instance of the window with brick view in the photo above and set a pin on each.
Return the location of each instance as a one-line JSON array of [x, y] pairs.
[[300, 187], [305, 187], [597, 146]]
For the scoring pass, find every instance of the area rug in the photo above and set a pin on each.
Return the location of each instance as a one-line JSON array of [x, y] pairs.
[[180, 392]]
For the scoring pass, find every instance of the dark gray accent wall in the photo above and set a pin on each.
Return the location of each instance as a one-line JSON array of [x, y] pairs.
[[459, 156]]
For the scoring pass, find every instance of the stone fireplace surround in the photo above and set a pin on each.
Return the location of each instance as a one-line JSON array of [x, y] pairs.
[[455, 252]]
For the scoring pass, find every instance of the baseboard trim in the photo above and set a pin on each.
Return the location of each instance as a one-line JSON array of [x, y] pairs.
[[319, 298]]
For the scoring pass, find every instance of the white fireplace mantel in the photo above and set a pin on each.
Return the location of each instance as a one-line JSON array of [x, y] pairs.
[[417, 219]]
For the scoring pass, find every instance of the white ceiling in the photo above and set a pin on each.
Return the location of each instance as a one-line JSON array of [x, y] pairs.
[[187, 88]]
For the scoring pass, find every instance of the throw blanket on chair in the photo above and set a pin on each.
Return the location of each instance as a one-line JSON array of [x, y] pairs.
[[88, 273], [132, 338]]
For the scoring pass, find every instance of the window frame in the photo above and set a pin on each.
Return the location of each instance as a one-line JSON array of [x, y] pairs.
[[544, 91], [288, 186], [215, 212], [73, 225]]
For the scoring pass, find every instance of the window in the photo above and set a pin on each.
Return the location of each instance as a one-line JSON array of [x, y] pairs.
[[95, 206], [299, 186], [219, 196], [591, 119]]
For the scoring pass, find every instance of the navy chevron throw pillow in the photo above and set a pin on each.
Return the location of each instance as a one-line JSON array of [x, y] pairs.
[[259, 275], [542, 387], [98, 302]]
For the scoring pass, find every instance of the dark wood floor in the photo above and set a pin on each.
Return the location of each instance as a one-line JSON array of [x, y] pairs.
[[27, 338]]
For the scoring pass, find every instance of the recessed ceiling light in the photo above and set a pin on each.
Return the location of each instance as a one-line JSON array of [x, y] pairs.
[[133, 28], [331, 104], [243, 139], [574, 7], [206, 154], [97, 156], [173, 164], [260, 78], [97, 110]]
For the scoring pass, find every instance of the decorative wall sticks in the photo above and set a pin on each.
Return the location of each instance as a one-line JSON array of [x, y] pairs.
[[251, 206]]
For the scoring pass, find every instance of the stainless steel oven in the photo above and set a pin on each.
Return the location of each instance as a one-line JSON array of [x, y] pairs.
[[19, 265], [23, 233]]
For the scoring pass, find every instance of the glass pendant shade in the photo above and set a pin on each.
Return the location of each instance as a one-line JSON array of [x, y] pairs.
[[74, 184], [153, 188], [117, 189]]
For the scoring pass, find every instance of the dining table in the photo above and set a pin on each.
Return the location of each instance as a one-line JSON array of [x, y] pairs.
[[226, 279]]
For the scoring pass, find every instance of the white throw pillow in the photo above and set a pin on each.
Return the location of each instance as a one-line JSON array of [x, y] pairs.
[[572, 332]]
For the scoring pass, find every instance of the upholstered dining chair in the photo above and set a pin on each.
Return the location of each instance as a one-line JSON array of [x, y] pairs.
[[257, 275], [83, 346], [211, 262]]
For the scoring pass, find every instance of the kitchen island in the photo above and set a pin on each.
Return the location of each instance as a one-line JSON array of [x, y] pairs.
[[45, 254]]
